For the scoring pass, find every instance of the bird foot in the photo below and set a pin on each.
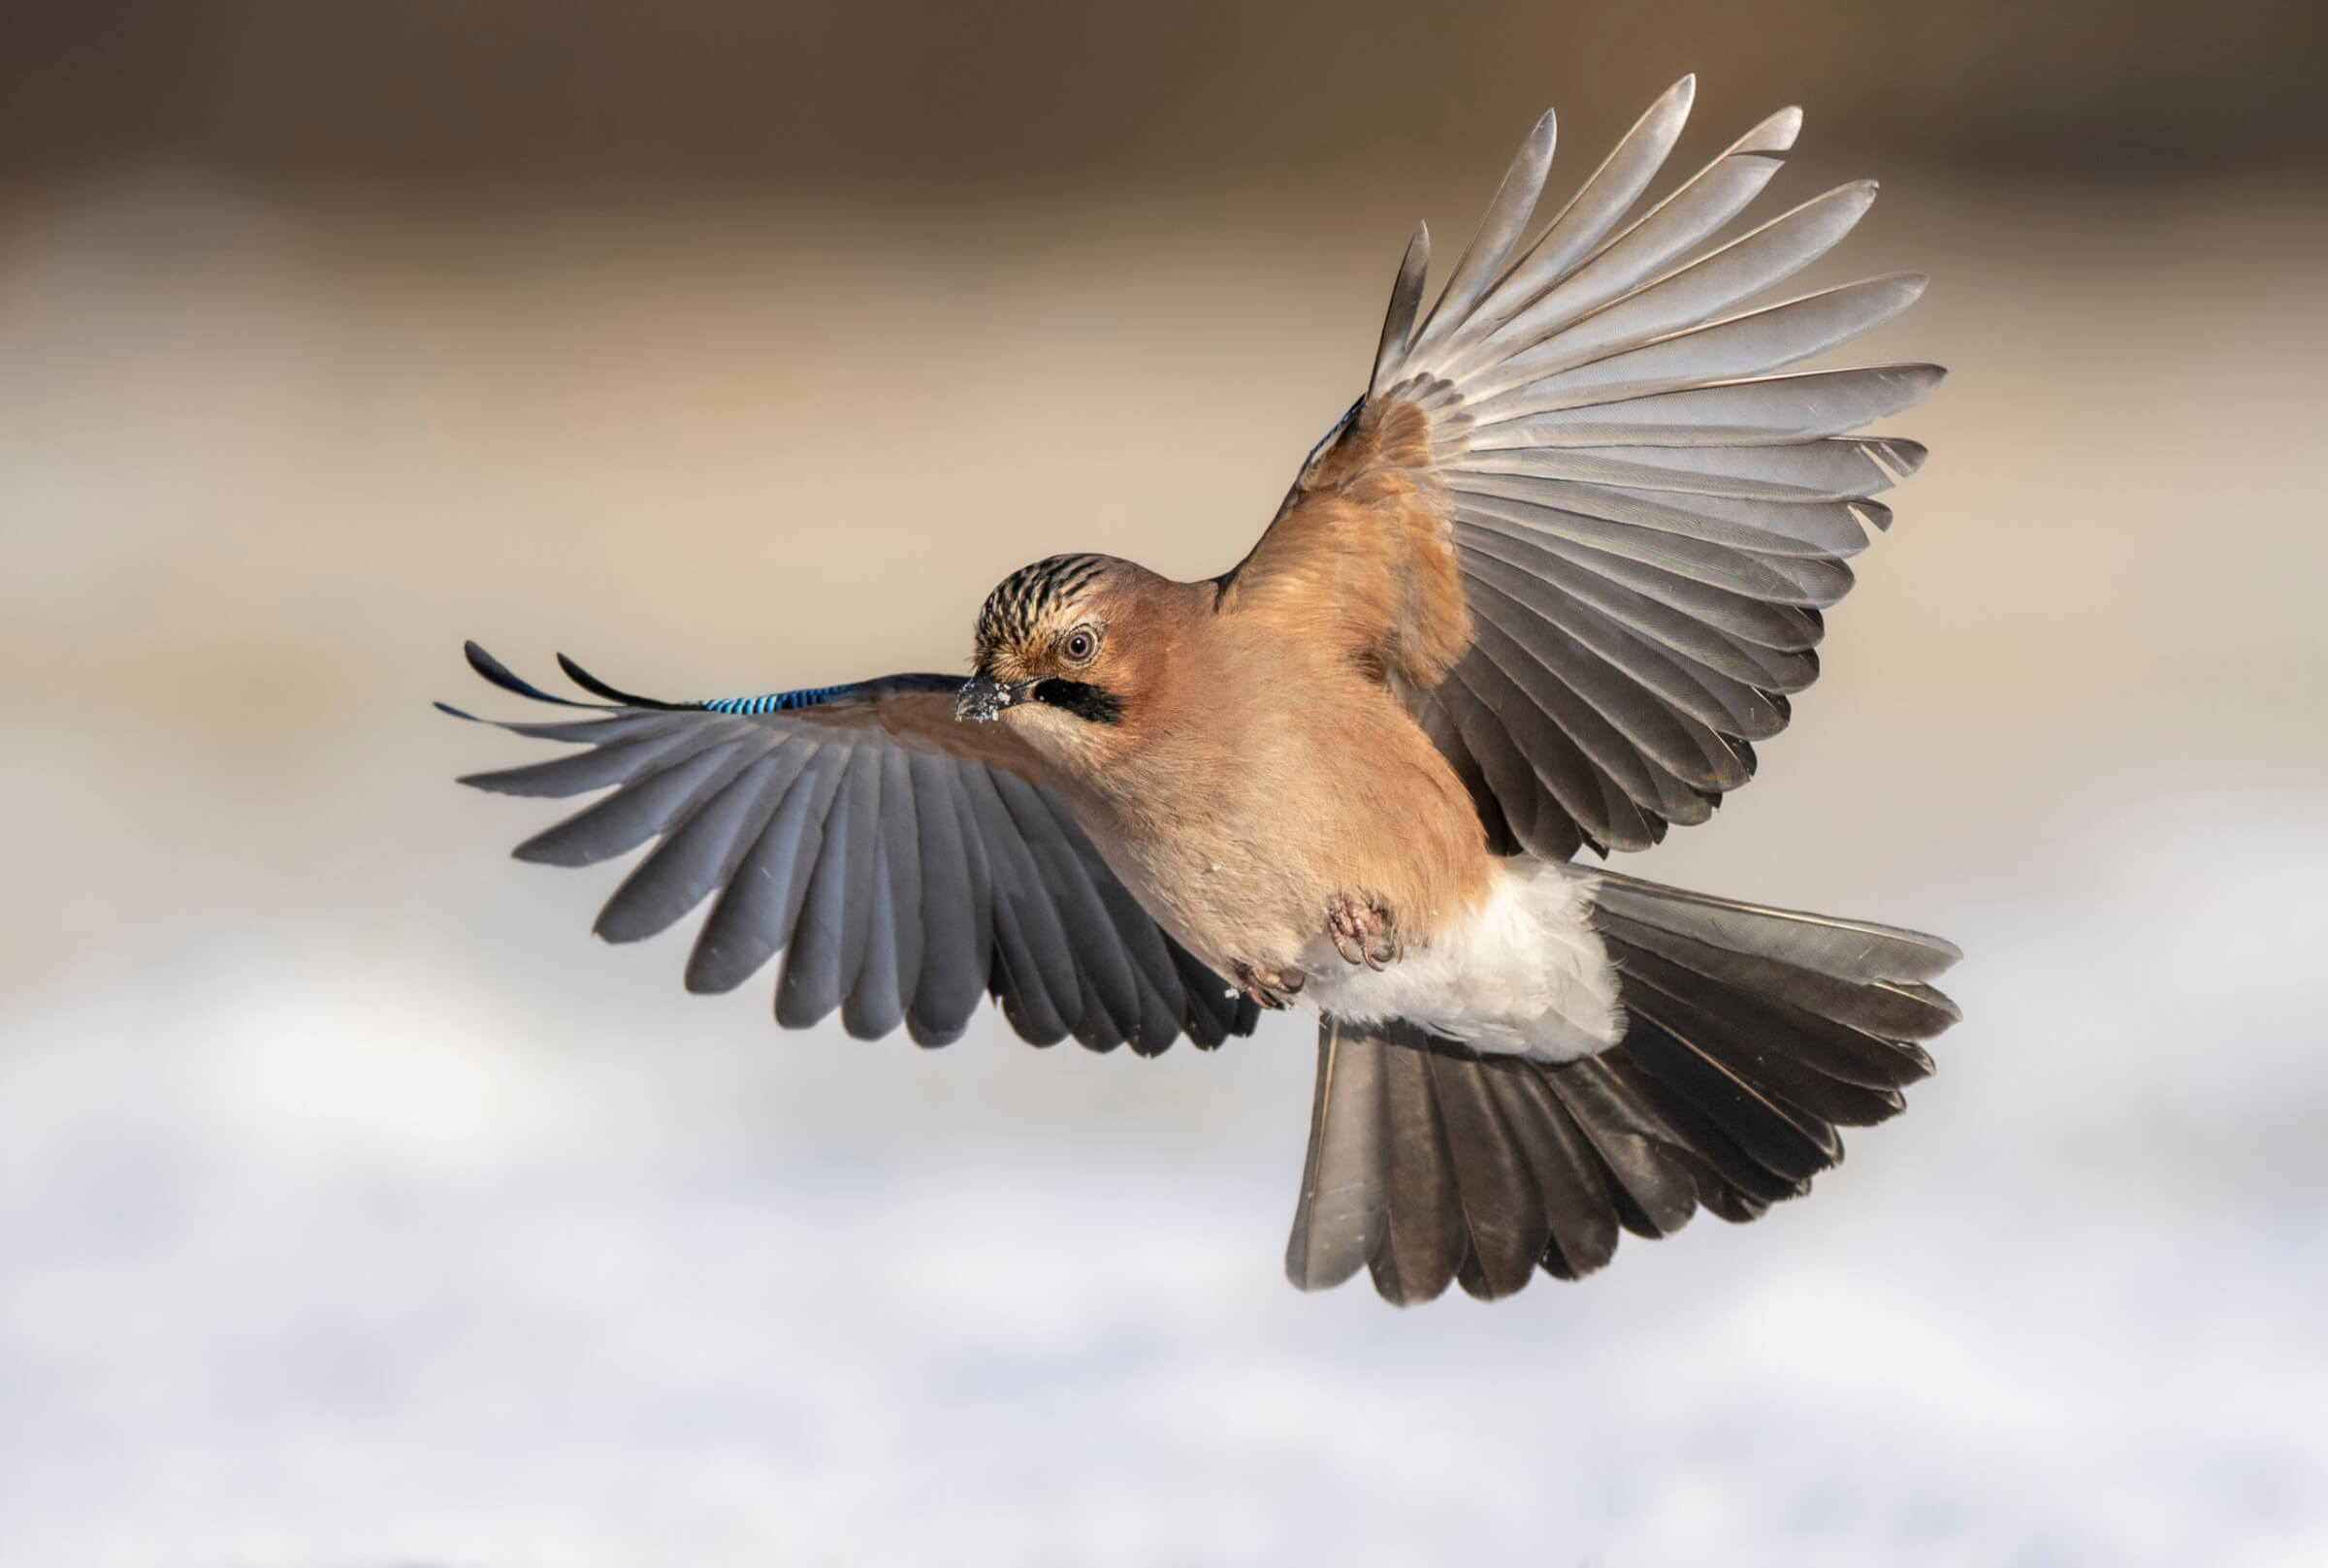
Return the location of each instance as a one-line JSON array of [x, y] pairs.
[[1362, 932], [1270, 988]]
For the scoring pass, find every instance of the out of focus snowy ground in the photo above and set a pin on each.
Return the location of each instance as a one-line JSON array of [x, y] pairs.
[[355, 1209]]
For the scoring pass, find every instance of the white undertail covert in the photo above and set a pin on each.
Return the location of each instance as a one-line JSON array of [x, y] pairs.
[[1524, 974]]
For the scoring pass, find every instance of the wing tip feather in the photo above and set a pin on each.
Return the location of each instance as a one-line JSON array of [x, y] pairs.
[[1406, 306], [496, 673], [1775, 134], [597, 688]]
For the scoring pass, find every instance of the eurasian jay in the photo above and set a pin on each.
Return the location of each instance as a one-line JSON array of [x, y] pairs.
[[1541, 589]]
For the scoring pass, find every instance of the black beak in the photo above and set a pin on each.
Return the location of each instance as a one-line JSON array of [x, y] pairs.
[[982, 697]]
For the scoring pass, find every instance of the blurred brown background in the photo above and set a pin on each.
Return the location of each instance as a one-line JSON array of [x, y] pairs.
[[355, 1207], [1048, 95]]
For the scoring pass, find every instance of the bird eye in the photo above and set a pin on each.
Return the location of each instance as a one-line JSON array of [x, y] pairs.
[[1079, 645]]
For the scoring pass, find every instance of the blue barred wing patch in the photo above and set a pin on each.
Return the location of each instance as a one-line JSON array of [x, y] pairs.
[[778, 701]]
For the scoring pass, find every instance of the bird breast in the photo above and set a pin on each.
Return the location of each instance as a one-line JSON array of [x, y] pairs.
[[1262, 780]]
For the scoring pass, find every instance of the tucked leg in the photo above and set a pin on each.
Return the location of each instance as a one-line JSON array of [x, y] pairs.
[[1268, 987], [1362, 930]]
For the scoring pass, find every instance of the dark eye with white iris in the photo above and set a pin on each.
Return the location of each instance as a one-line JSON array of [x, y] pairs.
[[1079, 645]]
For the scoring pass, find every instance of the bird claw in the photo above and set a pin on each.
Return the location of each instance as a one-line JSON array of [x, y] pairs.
[[1363, 933], [1269, 989]]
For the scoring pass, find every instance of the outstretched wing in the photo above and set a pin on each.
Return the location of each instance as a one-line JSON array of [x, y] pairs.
[[903, 863], [1576, 518]]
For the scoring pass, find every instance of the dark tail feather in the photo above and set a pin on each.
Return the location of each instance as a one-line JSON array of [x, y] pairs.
[[1752, 1034]]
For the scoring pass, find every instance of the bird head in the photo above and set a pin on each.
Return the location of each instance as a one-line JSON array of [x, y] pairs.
[[1057, 649]]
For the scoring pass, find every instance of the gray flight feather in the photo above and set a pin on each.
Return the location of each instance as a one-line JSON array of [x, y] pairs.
[[1618, 758], [1483, 260], [1423, 1241], [1841, 468], [1041, 995], [1714, 606], [628, 753], [1794, 1147], [1546, 659], [1780, 410], [829, 937], [1650, 1182], [1854, 951], [1596, 208], [1702, 704], [1491, 502], [1679, 304], [1556, 785], [1504, 1227], [754, 917], [956, 936], [1110, 995], [1405, 295], [876, 1002], [1696, 1009], [1696, 211], [701, 856], [1342, 1213], [1634, 629], [629, 818], [1580, 1217], [1639, 252]]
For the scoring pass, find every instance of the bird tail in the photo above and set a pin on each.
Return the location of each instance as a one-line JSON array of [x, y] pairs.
[[1751, 1035]]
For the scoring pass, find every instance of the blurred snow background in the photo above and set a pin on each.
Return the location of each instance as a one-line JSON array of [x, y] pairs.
[[356, 1208]]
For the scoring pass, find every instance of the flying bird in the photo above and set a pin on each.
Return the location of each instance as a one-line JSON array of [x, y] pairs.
[[1541, 589]]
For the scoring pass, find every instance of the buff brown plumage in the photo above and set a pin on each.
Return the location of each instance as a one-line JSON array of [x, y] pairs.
[[1541, 589]]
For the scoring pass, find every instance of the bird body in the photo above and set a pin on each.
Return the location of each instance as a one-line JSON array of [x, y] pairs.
[[1541, 589], [1238, 809], [1243, 812]]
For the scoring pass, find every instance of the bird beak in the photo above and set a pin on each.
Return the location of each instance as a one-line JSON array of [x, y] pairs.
[[982, 697]]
